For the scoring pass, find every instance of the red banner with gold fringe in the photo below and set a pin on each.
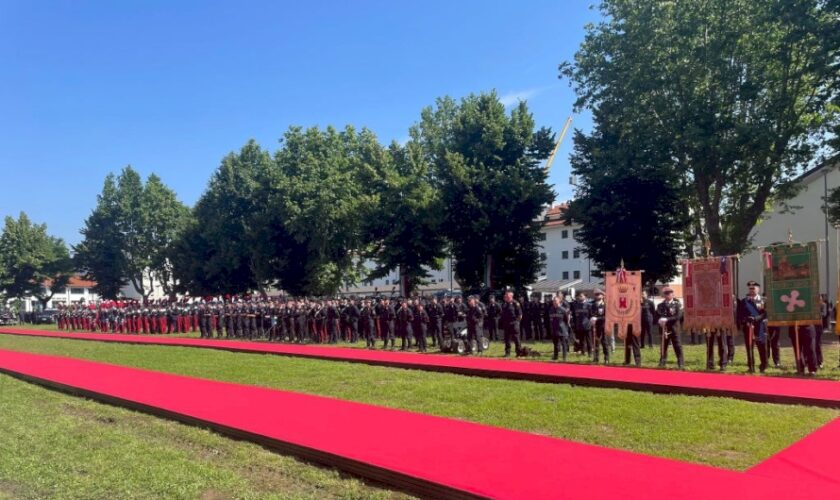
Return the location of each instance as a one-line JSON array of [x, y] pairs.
[[623, 298], [708, 285]]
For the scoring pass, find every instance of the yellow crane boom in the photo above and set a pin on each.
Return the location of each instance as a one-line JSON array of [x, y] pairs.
[[559, 142]]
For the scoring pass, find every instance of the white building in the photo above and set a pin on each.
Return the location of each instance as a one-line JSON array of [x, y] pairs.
[[77, 290], [806, 221], [128, 291], [564, 260]]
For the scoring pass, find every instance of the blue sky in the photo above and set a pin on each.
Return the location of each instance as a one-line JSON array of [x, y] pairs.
[[170, 87]]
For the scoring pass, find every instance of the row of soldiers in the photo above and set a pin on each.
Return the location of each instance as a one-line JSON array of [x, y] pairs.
[[413, 320], [301, 320], [577, 325]]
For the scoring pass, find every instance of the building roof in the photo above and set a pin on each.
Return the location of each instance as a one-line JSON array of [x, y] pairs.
[[588, 286], [550, 286], [808, 175], [554, 215], [386, 289], [75, 281]]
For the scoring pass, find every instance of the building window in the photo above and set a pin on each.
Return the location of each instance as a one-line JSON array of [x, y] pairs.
[[574, 232], [565, 254], [565, 275], [77, 291], [576, 253], [577, 275], [387, 282], [564, 234]]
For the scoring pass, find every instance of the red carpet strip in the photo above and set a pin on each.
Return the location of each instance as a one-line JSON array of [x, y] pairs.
[[764, 389], [426, 455], [812, 459]]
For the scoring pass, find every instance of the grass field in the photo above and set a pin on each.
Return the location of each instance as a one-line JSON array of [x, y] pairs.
[[717, 431], [58, 446]]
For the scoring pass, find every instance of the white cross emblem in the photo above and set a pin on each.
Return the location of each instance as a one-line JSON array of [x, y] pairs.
[[793, 301]]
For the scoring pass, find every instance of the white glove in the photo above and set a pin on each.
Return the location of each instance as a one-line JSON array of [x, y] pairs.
[[593, 319], [663, 321]]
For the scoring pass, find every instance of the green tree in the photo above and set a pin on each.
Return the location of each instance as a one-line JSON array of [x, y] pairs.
[[98, 255], [629, 202], [316, 192], [487, 167], [832, 206], [221, 248], [404, 228], [32, 263], [128, 236], [738, 92]]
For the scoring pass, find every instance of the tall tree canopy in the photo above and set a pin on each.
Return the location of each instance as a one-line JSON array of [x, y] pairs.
[[487, 168], [219, 250], [30, 258], [404, 227], [630, 202], [318, 194], [738, 92], [129, 234]]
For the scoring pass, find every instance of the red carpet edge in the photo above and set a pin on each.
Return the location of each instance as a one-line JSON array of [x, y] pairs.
[[782, 390]]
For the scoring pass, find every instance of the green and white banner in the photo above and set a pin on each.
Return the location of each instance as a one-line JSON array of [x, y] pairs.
[[792, 278]]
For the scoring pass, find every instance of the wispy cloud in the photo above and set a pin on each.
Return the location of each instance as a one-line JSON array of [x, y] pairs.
[[512, 98]]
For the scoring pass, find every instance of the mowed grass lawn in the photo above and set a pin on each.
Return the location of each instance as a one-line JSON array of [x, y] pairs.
[[716, 431], [54, 445]]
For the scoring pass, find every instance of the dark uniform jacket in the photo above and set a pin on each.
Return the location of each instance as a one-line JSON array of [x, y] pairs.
[[672, 311]]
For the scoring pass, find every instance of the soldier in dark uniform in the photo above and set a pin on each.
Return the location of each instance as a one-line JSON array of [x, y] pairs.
[[254, 320], [509, 321], [631, 344], [227, 314], [669, 314], [535, 318], [367, 324], [404, 319], [719, 337], [475, 321], [332, 318], [648, 311], [752, 319], [581, 312], [204, 321], [546, 315], [353, 313], [385, 315], [460, 316], [525, 326], [435, 312], [240, 316], [560, 316], [802, 340], [491, 321], [302, 320], [419, 326], [598, 322], [450, 317], [773, 334]]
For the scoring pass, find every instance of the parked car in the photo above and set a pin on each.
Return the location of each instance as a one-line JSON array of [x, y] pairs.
[[7, 317], [47, 316]]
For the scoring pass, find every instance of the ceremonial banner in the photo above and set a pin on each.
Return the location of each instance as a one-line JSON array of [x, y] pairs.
[[623, 298], [792, 279], [708, 294]]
